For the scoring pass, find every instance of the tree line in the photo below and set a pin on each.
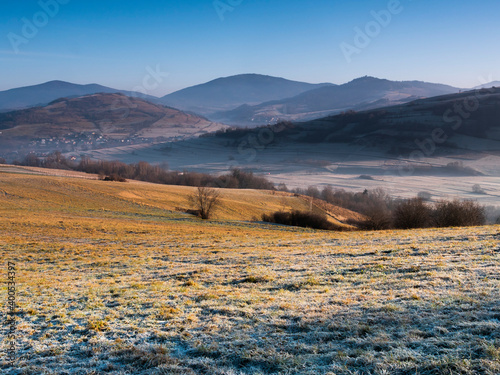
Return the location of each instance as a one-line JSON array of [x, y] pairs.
[[143, 171], [383, 211]]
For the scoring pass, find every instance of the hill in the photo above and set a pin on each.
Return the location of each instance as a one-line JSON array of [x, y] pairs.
[[442, 125], [230, 92], [359, 94], [39, 95], [106, 277], [96, 121], [24, 182]]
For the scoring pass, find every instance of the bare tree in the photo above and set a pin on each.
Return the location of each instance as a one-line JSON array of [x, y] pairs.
[[206, 200]]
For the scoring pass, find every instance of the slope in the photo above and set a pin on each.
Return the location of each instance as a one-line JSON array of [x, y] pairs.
[[74, 192], [96, 121]]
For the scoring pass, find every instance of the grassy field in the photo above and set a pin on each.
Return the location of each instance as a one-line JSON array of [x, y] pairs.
[[112, 280]]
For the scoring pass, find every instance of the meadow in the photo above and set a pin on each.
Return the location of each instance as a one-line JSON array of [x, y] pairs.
[[113, 278]]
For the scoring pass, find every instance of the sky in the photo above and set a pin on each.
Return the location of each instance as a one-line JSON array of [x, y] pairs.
[[160, 46]]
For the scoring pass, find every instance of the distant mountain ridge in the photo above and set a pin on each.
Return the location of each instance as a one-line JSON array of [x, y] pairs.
[[251, 99], [42, 94], [359, 94], [488, 85], [230, 92]]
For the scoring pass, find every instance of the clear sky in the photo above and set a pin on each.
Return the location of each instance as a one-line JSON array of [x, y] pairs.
[[113, 42]]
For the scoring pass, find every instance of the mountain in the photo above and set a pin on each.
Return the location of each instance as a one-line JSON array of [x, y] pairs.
[[488, 85], [359, 94], [39, 95], [96, 121], [230, 92]]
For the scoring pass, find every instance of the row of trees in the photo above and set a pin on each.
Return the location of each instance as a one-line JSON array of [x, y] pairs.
[[385, 212], [143, 171]]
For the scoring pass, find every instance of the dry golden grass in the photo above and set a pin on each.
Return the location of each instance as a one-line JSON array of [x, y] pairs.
[[110, 281], [28, 182]]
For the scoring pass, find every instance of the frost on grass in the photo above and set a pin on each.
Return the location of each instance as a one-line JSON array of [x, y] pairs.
[[152, 294]]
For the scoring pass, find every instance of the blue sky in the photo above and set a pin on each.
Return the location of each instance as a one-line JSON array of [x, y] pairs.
[[113, 42]]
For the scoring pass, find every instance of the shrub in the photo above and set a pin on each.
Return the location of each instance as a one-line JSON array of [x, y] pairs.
[[158, 174], [458, 213], [313, 191], [31, 160], [114, 177], [299, 219], [282, 187], [365, 177], [424, 195], [412, 213], [477, 189]]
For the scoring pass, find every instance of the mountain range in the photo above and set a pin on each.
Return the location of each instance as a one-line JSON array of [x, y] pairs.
[[451, 124], [119, 118], [251, 99]]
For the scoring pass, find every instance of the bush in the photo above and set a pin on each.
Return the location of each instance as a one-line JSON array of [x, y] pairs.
[[477, 189], [365, 177], [158, 174], [412, 213], [459, 214], [299, 219], [114, 177], [31, 160], [424, 195]]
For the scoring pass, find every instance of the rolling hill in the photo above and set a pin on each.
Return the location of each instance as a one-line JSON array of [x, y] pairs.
[[230, 92], [95, 121], [457, 123], [39, 95], [236, 204], [359, 94]]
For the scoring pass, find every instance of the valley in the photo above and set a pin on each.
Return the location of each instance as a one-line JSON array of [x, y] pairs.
[[395, 148]]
